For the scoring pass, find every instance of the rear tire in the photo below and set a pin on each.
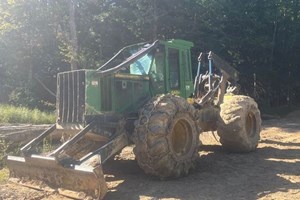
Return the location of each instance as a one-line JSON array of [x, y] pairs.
[[166, 137], [239, 124]]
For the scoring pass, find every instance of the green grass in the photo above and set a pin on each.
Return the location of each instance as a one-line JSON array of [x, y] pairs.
[[12, 114]]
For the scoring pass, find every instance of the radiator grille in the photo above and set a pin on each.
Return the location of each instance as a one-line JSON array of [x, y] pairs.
[[106, 94], [71, 97]]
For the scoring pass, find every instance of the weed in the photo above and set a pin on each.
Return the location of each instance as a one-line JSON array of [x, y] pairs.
[[3, 152], [12, 114], [47, 145], [8, 148], [4, 175]]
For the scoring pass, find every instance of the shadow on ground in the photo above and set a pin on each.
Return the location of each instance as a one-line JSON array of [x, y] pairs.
[[218, 175]]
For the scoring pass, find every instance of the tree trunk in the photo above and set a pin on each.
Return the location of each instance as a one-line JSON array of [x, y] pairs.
[[73, 34], [273, 43], [155, 20]]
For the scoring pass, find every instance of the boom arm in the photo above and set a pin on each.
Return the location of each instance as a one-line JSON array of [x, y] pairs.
[[218, 74], [224, 66]]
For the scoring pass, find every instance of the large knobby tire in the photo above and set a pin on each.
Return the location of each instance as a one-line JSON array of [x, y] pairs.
[[239, 124], [166, 137]]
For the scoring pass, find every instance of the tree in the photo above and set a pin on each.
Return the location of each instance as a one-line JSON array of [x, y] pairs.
[[38, 38]]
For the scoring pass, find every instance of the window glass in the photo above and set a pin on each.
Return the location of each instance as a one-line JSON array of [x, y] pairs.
[[173, 58], [142, 65], [157, 68], [186, 65]]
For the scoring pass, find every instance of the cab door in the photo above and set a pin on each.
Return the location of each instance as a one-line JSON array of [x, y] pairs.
[[179, 73], [173, 72], [186, 72]]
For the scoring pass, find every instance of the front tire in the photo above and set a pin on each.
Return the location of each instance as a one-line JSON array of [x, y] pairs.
[[239, 124], [166, 137]]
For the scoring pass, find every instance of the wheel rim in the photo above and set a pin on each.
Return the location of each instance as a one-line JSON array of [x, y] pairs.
[[250, 124], [181, 137]]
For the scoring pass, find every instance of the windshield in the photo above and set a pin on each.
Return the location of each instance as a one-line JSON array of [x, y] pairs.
[[142, 65]]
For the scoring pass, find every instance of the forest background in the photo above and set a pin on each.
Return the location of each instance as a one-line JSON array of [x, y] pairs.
[[39, 38]]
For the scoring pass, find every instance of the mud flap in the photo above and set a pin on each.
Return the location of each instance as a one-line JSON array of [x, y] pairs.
[[44, 173]]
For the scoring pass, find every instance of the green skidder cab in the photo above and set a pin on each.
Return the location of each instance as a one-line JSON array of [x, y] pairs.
[[126, 82], [145, 95]]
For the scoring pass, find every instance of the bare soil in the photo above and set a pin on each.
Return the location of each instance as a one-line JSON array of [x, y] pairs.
[[271, 172]]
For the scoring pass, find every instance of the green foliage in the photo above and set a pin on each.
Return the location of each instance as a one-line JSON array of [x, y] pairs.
[[258, 37], [25, 98], [22, 97], [4, 175], [12, 114], [47, 145], [3, 149], [6, 148]]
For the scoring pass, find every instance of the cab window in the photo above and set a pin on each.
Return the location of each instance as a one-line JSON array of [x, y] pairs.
[[173, 58], [142, 65]]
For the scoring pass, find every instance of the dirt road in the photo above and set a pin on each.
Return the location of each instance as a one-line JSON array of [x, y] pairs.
[[271, 172]]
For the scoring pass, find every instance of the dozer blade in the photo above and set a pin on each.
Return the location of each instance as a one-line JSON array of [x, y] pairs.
[[42, 173]]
